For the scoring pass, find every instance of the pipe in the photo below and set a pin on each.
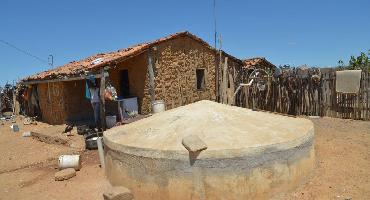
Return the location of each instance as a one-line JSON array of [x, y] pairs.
[[240, 87], [101, 152]]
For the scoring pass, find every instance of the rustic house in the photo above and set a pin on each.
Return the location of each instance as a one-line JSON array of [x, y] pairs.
[[258, 62], [184, 68]]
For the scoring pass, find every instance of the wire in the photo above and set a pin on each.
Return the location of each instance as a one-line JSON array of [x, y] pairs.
[[23, 51]]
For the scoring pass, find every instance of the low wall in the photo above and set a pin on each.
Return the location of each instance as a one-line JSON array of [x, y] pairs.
[[251, 176]]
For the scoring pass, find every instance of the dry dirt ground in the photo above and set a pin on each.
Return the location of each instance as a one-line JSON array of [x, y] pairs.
[[342, 162], [27, 166]]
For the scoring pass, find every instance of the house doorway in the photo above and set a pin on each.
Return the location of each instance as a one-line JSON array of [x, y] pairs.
[[124, 83]]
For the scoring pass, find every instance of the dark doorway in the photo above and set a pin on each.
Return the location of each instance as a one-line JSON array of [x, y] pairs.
[[124, 83], [201, 82]]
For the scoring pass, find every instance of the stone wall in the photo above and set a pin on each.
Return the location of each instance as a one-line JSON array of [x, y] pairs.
[[175, 63]]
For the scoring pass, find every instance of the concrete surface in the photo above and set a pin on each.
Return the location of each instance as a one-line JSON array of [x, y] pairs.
[[250, 154], [193, 143]]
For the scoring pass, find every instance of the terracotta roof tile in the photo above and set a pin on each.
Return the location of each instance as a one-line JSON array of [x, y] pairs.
[[257, 61], [76, 68]]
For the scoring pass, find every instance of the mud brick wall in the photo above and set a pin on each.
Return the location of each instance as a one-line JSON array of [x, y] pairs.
[[137, 73], [76, 106], [51, 101], [64, 102], [175, 64]]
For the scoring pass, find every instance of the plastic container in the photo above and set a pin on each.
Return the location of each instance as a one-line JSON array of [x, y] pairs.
[[91, 143], [27, 134], [14, 128], [110, 121], [130, 105], [69, 161], [158, 106]]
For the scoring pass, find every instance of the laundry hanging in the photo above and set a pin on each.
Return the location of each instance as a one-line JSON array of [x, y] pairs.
[[87, 91], [348, 81]]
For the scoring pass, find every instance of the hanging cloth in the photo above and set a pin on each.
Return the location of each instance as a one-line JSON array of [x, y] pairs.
[[348, 81], [87, 91], [92, 80]]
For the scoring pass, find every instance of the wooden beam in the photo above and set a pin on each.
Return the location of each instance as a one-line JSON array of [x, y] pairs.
[[217, 77], [224, 82], [83, 77], [151, 77], [102, 99]]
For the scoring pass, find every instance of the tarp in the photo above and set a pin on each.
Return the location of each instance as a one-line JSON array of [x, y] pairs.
[[348, 81]]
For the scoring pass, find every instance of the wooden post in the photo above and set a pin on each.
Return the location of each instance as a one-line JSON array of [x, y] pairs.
[[120, 110], [15, 104], [217, 75], [151, 77], [102, 100], [224, 82]]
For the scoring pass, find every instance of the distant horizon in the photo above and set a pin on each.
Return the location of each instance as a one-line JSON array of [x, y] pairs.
[[312, 33]]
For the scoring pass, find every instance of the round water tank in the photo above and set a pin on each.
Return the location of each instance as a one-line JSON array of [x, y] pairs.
[[248, 154]]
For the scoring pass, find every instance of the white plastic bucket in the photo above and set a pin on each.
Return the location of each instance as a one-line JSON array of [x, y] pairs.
[[27, 134], [69, 161], [110, 121], [158, 106]]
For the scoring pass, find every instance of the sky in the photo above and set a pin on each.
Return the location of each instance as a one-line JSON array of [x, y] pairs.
[[295, 32]]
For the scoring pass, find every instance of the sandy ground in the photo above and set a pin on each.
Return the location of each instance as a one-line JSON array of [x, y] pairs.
[[342, 162], [27, 166]]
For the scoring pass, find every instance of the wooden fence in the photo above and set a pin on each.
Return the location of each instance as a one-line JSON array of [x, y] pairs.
[[308, 92]]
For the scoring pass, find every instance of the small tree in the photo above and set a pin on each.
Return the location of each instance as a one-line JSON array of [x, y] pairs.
[[360, 62]]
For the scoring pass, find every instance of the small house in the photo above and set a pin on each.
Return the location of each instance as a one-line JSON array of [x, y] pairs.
[[183, 69], [258, 63]]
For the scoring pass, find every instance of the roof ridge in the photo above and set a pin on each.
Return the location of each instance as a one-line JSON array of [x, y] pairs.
[[75, 67]]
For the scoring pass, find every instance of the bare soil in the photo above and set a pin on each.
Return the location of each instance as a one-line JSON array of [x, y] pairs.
[[27, 166], [343, 162]]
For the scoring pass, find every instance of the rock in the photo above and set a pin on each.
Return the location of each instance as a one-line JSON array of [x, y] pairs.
[[65, 174], [118, 193], [193, 143], [69, 134]]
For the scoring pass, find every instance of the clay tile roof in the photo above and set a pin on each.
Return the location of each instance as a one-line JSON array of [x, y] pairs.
[[257, 62], [76, 68]]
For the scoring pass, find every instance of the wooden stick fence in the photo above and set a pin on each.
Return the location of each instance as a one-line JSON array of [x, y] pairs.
[[308, 92]]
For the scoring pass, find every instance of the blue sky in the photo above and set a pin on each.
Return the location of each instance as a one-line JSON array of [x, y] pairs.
[[313, 32]]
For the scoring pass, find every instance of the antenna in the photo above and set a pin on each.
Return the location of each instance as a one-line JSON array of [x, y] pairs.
[[51, 60], [215, 22]]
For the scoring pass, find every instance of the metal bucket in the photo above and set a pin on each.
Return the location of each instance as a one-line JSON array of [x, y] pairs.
[[69, 161], [158, 106]]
